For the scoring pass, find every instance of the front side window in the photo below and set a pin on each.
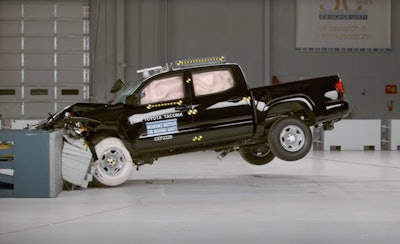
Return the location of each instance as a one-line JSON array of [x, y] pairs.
[[210, 82], [163, 89]]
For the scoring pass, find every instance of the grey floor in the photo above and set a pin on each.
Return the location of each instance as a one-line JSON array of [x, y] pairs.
[[327, 197]]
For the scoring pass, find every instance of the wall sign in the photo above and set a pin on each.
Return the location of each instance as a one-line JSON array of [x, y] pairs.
[[391, 89], [343, 25]]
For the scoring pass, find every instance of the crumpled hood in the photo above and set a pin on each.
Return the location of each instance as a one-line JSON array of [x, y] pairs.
[[77, 110]]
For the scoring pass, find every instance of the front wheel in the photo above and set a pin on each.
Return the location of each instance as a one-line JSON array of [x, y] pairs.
[[290, 139], [260, 155], [114, 164]]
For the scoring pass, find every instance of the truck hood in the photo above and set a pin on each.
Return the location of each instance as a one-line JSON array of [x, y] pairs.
[[77, 110]]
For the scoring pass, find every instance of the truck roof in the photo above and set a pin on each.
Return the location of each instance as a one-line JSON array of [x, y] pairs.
[[181, 65]]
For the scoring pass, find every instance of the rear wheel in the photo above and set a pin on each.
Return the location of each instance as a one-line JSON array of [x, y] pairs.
[[259, 155], [114, 164], [290, 139]]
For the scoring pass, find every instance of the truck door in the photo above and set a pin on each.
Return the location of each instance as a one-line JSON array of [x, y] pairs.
[[221, 104], [161, 121]]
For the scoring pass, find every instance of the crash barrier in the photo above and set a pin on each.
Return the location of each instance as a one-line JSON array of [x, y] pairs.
[[17, 124], [30, 163], [352, 134], [76, 159]]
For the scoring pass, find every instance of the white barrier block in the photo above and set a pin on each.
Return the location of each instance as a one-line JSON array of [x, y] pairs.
[[354, 135], [395, 134], [19, 124]]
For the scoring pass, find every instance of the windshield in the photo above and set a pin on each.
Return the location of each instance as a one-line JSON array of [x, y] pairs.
[[128, 91]]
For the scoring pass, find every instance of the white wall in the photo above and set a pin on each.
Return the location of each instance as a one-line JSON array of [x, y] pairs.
[[258, 34]]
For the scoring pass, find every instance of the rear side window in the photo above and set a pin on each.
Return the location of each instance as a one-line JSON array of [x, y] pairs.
[[214, 81], [163, 89]]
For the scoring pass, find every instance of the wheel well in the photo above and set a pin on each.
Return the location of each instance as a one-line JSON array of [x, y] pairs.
[[293, 109], [97, 136]]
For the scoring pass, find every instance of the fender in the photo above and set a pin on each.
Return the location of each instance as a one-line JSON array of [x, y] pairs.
[[296, 98], [299, 105], [82, 126]]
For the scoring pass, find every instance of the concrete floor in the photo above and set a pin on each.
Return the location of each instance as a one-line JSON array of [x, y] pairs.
[[327, 197]]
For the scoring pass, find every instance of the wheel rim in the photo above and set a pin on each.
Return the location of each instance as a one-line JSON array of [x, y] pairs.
[[292, 138], [112, 161]]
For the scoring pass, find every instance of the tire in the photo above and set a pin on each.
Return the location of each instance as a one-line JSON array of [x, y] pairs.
[[114, 164], [290, 139], [257, 155]]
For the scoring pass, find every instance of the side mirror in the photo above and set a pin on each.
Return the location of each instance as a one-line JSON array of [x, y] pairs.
[[118, 85], [132, 100]]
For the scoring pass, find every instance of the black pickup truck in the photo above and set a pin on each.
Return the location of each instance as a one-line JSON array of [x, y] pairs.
[[201, 104]]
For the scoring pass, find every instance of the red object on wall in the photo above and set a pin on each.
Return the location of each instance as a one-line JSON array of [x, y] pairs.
[[391, 89], [390, 105]]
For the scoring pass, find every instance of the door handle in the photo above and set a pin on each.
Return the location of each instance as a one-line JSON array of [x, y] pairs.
[[182, 107], [234, 99]]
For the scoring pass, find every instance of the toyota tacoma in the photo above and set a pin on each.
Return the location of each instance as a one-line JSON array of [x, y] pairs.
[[201, 104]]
